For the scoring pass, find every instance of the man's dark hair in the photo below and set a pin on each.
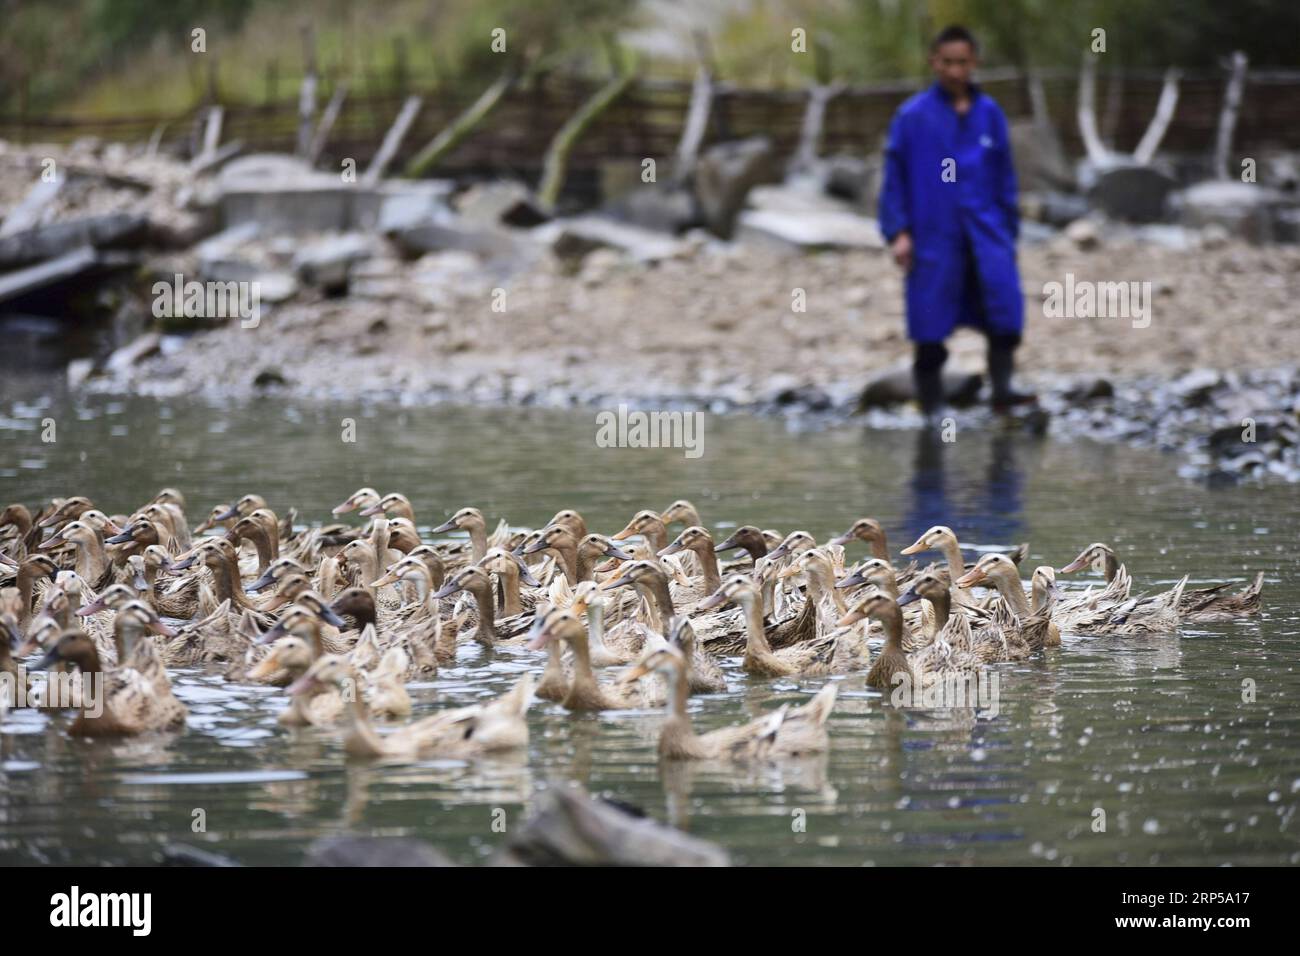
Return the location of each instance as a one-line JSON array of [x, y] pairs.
[[954, 33]]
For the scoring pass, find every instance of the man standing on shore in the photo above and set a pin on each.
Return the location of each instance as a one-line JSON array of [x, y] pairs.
[[948, 210]]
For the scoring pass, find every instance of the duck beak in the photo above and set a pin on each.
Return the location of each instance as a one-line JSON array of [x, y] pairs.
[[158, 627], [779, 553], [842, 539], [275, 632], [525, 575], [615, 583], [671, 549], [716, 599], [447, 590], [908, 596], [613, 551], [139, 583], [1078, 564], [264, 581], [915, 548], [850, 618], [727, 545], [623, 535], [447, 525], [185, 561], [850, 581], [329, 616], [539, 638], [7, 561], [120, 538], [535, 547], [636, 673], [388, 578], [971, 578], [52, 542], [231, 512], [344, 508], [371, 511], [94, 607]]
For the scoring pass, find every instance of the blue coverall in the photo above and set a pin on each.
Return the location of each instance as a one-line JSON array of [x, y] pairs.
[[963, 224]]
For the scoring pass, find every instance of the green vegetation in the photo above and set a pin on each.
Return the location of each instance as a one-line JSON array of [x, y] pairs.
[[134, 56]]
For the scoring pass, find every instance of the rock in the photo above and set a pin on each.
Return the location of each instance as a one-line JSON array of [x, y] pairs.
[[28, 213], [657, 207], [326, 262], [569, 828], [450, 232], [797, 219], [1132, 193], [806, 396], [1083, 233], [723, 177], [76, 264], [1053, 208], [572, 239], [894, 387], [1041, 163], [501, 203], [1244, 210], [275, 287], [852, 178], [1090, 391], [1196, 386], [117, 230], [79, 370], [373, 851], [269, 378], [1214, 236], [128, 355], [264, 171]]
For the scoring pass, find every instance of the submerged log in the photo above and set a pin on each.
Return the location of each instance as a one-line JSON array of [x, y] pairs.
[[569, 828]]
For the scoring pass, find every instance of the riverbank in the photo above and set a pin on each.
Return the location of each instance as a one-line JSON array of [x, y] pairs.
[[717, 325]]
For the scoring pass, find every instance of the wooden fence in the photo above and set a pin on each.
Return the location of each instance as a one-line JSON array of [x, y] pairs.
[[647, 120]]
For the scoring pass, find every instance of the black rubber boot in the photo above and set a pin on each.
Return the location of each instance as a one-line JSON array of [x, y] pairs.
[[927, 376], [1002, 363]]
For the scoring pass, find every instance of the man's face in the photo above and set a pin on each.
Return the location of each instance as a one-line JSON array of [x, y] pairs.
[[953, 63]]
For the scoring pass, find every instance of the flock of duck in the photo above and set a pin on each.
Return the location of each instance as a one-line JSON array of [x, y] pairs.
[[344, 616]]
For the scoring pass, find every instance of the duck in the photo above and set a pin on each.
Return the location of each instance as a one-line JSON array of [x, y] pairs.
[[1196, 606], [868, 530], [893, 666], [786, 732], [585, 692], [180, 600], [751, 540], [22, 534], [988, 641], [942, 539], [359, 499], [92, 563], [429, 643], [808, 658], [471, 521], [392, 505], [649, 526], [489, 630], [126, 702], [473, 731], [698, 542]]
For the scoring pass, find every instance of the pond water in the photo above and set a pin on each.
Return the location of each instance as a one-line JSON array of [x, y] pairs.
[[1159, 733]]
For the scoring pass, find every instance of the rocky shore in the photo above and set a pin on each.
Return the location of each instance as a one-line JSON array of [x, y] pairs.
[[716, 325]]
